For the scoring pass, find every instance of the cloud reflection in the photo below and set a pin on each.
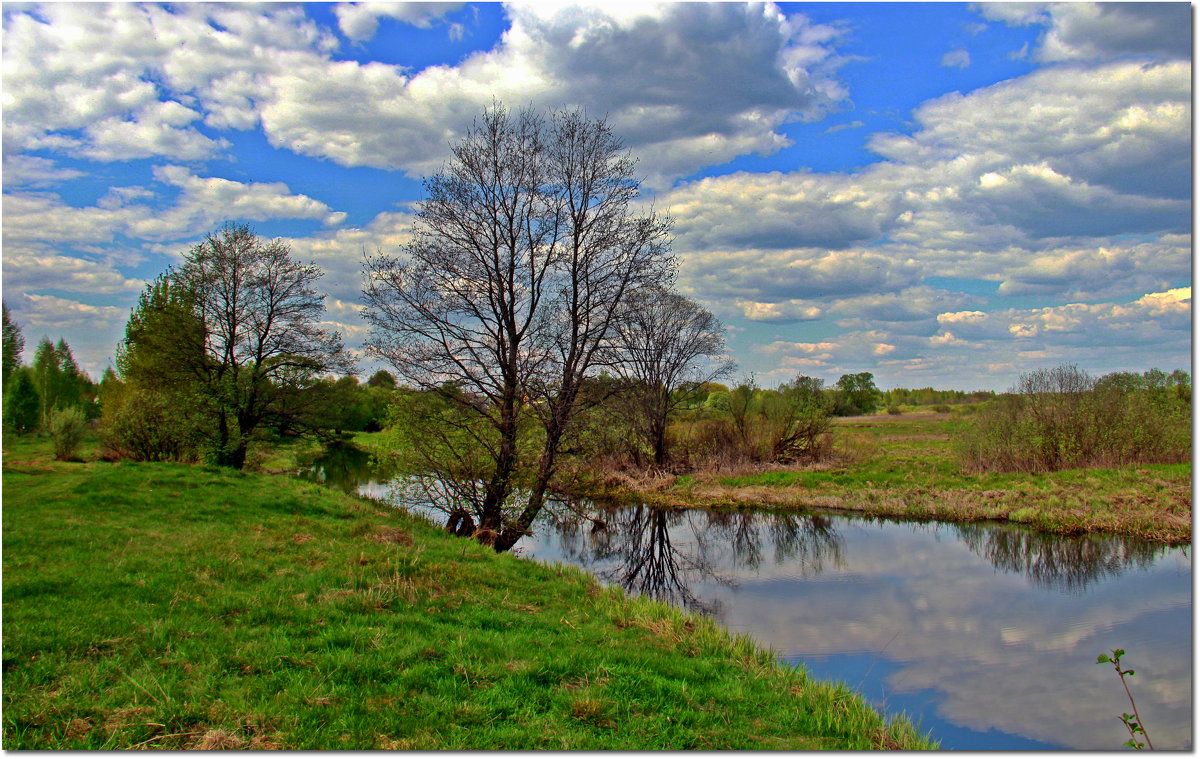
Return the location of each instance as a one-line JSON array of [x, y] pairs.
[[1002, 624]]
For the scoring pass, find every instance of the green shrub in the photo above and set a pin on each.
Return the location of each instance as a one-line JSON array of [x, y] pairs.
[[941, 408], [894, 410], [1063, 419], [67, 427], [150, 427]]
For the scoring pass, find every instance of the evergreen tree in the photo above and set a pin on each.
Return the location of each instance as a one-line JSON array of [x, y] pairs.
[[22, 403], [14, 343], [46, 376], [60, 382]]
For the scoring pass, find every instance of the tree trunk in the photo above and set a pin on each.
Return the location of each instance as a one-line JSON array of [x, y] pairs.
[[498, 487], [516, 530]]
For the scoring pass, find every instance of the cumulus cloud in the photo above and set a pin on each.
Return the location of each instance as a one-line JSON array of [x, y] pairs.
[[1038, 184], [359, 21], [785, 311], [30, 269], [1099, 271], [989, 349], [1102, 31], [777, 210], [1102, 126], [339, 253], [688, 85], [203, 202], [35, 171], [1151, 318], [789, 276]]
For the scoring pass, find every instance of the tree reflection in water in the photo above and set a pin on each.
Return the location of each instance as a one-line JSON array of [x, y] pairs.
[[1057, 562], [344, 466], [663, 553]]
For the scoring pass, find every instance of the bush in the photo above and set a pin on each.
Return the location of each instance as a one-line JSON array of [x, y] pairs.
[[894, 410], [941, 408], [67, 427], [1062, 419], [150, 427]]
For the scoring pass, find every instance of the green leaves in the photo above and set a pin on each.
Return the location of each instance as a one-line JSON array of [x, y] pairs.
[[1132, 722]]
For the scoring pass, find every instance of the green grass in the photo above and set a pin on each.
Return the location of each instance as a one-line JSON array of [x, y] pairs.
[[905, 466], [171, 606]]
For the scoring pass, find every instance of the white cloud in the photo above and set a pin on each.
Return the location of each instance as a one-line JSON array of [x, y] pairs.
[[157, 129], [718, 80], [1156, 319], [359, 21], [989, 349], [1101, 31], [958, 58], [34, 171], [28, 269], [91, 331], [1037, 184], [203, 203], [786, 311]]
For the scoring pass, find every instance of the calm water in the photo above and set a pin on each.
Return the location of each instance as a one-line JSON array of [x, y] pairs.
[[986, 635]]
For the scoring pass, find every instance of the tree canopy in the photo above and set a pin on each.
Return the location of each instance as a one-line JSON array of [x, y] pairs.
[[237, 329]]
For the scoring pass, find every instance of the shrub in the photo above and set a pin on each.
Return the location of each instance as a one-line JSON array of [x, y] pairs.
[[894, 410], [941, 408], [1061, 419], [67, 427], [150, 427]]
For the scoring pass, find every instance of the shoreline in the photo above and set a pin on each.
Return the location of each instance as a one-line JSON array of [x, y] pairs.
[[284, 609], [1049, 503]]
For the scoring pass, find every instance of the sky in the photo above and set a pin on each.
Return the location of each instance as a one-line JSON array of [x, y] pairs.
[[939, 194]]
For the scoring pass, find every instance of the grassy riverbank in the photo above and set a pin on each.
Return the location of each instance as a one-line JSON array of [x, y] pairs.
[[170, 606], [904, 466]]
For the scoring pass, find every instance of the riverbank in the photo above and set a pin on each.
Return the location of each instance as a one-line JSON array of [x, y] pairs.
[[171, 606], [904, 466]]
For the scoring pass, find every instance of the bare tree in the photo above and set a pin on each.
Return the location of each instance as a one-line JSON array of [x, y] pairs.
[[248, 338], [669, 346], [459, 313], [609, 253], [506, 299]]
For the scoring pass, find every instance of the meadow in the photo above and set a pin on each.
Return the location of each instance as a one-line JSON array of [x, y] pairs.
[[173, 606], [906, 465]]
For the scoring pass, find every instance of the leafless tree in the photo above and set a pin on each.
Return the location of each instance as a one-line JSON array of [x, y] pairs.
[[669, 345], [505, 302]]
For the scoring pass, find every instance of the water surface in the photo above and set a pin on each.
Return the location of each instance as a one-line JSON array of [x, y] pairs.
[[984, 634]]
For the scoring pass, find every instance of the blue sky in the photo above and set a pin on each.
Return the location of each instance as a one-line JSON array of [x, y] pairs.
[[941, 194]]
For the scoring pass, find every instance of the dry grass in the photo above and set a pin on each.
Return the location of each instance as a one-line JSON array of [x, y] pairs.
[[903, 466]]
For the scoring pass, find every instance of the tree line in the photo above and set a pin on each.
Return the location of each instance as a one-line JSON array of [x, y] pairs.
[[52, 394]]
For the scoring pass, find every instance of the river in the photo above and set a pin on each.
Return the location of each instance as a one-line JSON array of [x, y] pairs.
[[985, 635]]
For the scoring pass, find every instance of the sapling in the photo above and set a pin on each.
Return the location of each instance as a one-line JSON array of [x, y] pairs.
[[1132, 722]]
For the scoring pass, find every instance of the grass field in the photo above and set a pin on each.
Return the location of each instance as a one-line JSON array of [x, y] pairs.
[[905, 466], [170, 606]]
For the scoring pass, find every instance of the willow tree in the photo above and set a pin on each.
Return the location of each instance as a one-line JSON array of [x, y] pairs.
[[505, 301]]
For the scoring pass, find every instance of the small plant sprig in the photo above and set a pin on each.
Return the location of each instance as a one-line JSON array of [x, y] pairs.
[[1133, 722]]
